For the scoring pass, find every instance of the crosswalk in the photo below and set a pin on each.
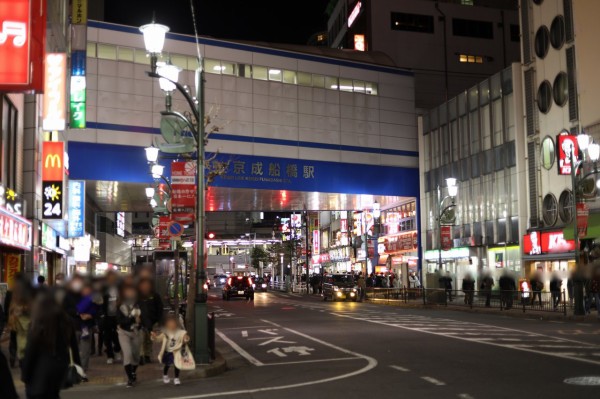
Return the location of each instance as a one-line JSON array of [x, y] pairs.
[[482, 333]]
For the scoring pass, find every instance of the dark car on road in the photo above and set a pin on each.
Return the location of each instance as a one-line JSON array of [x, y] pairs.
[[238, 287], [340, 287], [260, 284]]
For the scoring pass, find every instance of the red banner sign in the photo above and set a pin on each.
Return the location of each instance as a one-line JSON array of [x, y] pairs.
[[547, 242], [583, 213], [446, 235], [22, 36], [183, 184], [404, 242], [14, 230]]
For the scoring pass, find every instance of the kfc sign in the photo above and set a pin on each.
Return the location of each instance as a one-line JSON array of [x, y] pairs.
[[568, 152], [547, 242], [554, 242]]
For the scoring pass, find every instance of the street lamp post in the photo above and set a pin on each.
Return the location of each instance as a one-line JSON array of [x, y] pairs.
[[452, 192], [593, 150], [154, 38]]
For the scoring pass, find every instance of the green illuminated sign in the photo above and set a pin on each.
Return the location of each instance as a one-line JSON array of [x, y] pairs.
[[78, 99]]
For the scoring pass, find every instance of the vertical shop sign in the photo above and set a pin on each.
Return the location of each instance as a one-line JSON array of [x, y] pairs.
[[13, 267], [583, 213], [183, 184], [446, 236], [54, 106], [77, 100], [53, 167], [567, 146], [76, 210], [22, 36]]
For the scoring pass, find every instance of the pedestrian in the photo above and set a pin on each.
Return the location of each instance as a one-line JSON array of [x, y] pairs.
[[12, 335], [595, 285], [446, 283], [555, 286], [19, 316], [172, 338], [571, 288], [50, 346], [468, 287], [362, 286], [7, 386], [487, 283], [129, 323], [507, 289], [152, 309], [537, 285], [108, 317], [86, 311]]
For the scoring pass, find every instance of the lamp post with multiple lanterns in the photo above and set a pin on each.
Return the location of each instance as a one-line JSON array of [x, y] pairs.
[[593, 154], [443, 211], [167, 74]]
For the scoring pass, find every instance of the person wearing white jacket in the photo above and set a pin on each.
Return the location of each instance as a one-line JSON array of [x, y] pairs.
[[172, 339]]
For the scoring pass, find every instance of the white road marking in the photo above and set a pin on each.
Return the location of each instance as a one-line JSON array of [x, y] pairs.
[[338, 359], [530, 341], [240, 350], [371, 364], [433, 381], [403, 369], [465, 396], [244, 333]]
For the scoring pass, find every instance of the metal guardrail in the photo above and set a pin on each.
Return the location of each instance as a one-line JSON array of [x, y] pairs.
[[504, 300]]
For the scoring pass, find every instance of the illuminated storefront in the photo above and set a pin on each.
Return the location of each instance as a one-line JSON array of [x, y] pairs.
[[548, 252]]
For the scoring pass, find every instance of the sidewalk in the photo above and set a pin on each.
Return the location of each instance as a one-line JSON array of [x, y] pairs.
[[516, 311], [100, 373]]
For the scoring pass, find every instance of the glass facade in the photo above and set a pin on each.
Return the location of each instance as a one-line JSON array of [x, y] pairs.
[[472, 138]]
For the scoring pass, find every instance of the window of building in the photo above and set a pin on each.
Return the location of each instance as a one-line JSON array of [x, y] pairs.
[[412, 22], [557, 32], [346, 85], [472, 28], [318, 81], [304, 79], [544, 97], [178, 60], [289, 77], [107, 51], [467, 2], [515, 33], [542, 42], [471, 59], [560, 90], [259, 72], [550, 209], [275, 74], [565, 206], [8, 145], [125, 54], [547, 153]]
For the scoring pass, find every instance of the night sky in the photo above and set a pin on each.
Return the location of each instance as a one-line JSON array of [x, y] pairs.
[[256, 20]]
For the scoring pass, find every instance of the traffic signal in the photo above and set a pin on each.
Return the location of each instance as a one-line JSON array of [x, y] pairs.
[[209, 236]]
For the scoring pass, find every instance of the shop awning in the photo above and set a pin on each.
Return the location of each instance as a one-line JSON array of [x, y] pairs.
[[593, 230]]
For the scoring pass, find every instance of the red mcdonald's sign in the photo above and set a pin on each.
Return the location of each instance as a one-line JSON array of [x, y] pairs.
[[53, 168]]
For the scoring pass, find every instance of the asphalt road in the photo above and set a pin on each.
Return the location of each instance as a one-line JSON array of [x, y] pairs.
[[291, 346]]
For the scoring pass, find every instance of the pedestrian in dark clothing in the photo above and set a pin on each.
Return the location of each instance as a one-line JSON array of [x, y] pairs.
[[7, 386], [152, 310], [86, 311], [486, 288], [507, 288], [555, 286], [50, 345], [571, 288], [468, 287], [537, 286], [446, 283], [12, 338], [108, 318]]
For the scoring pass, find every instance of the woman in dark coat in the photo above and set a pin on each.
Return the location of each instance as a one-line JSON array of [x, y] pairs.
[[7, 387], [47, 356]]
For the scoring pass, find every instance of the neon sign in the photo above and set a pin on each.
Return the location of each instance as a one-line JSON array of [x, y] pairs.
[[354, 14], [53, 116]]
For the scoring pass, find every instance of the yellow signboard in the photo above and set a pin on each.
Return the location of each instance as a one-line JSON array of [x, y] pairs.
[[79, 12]]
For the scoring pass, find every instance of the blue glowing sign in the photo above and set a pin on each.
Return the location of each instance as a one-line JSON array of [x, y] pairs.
[[76, 208]]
